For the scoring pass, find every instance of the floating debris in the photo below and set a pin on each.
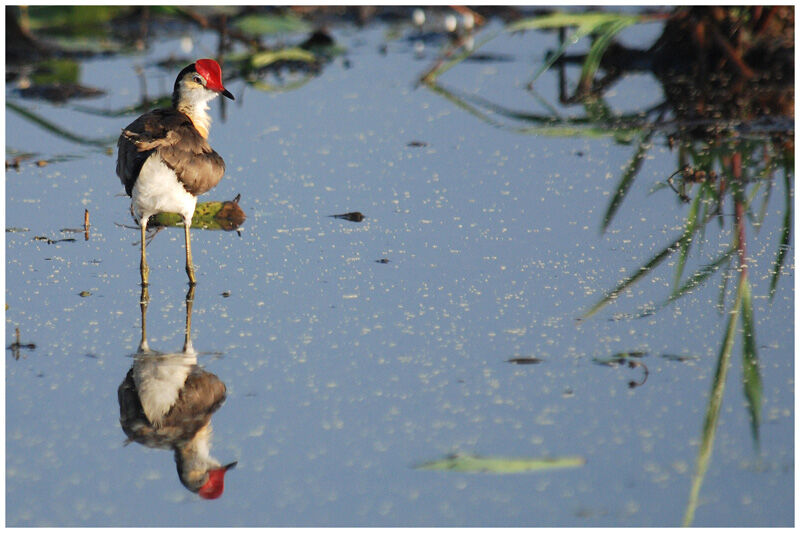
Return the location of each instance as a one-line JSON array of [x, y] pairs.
[[382, 261], [318, 39], [84, 294], [417, 144], [84, 229], [524, 360], [354, 216], [225, 294], [626, 359], [60, 92], [500, 465], [48, 240], [15, 163], [16, 346], [679, 358]]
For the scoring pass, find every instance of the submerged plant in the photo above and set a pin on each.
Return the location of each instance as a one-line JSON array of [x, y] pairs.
[[728, 97]]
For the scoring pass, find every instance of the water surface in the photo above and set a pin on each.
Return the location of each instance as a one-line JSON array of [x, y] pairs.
[[344, 371]]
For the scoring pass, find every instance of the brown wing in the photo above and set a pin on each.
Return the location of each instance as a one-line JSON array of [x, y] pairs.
[[202, 394], [134, 422], [172, 135]]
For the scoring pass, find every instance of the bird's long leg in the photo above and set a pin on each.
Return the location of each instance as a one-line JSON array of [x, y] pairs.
[[187, 339], [187, 222], [143, 301], [143, 268]]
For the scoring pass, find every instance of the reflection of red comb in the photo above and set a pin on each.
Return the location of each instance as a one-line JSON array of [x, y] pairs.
[[212, 489], [211, 71]]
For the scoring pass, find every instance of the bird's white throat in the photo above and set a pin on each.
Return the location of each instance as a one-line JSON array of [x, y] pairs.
[[193, 102]]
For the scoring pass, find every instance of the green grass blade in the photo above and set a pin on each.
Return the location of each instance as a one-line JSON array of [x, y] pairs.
[[723, 287], [429, 78], [762, 213], [573, 38], [58, 131], [605, 24], [702, 274], [686, 241], [697, 278], [713, 408], [588, 21], [627, 282], [751, 371], [606, 32], [626, 181], [786, 233]]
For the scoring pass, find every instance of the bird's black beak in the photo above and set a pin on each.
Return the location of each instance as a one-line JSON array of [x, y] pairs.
[[227, 94], [233, 464]]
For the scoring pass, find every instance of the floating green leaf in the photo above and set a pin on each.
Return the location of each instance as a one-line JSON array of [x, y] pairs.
[[269, 24], [56, 71], [262, 59], [500, 465], [225, 216]]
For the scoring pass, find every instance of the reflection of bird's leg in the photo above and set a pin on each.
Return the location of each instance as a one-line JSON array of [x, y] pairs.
[[187, 340], [143, 301], [143, 268], [187, 222]]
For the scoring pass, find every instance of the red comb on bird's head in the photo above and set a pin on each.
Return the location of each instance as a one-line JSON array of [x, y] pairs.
[[213, 488], [211, 71]]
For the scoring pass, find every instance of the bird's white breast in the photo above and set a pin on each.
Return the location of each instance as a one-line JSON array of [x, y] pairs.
[[159, 380], [157, 190]]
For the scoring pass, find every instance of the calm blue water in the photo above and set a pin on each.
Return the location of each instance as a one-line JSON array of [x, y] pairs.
[[343, 372]]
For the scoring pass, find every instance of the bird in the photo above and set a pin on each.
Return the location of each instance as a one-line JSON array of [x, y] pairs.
[[166, 401], [164, 159]]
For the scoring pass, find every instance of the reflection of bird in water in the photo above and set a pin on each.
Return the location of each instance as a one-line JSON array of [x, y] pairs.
[[166, 401], [164, 158]]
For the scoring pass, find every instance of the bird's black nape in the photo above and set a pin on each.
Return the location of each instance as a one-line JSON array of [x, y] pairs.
[[181, 74]]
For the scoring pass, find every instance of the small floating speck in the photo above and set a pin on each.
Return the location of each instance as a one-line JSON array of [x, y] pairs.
[[383, 261], [84, 294], [417, 144], [679, 358], [226, 294]]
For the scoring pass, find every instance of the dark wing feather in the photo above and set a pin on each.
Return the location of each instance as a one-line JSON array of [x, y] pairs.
[[172, 135]]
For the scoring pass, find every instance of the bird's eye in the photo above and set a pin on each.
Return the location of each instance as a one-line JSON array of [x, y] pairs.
[[198, 79]]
